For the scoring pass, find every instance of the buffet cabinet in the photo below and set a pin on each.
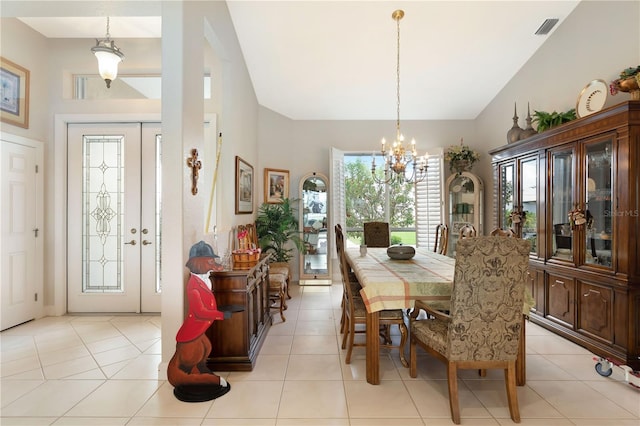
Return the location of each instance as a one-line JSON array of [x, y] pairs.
[[235, 342], [574, 192]]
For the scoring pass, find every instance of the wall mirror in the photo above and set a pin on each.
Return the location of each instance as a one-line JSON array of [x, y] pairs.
[[314, 225]]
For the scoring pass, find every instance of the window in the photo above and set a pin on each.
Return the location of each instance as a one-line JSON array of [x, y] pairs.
[[413, 211]]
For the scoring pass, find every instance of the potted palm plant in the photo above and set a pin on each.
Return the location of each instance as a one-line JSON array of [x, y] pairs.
[[277, 225]]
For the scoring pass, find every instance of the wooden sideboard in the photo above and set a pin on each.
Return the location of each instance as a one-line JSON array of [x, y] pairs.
[[236, 341], [577, 192]]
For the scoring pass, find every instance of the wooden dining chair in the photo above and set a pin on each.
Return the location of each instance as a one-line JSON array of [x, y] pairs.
[[376, 234], [348, 279], [356, 315], [483, 328], [442, 239], [468, 231]]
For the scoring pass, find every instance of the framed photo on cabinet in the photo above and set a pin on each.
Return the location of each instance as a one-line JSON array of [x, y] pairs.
[[14, 94], [276, 185], [244, 187]]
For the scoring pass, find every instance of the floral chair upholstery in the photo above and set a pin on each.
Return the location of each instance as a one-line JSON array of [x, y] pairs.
[[482, 330], [376, 234]]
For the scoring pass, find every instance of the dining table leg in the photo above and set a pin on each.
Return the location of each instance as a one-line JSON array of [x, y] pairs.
[[373, 348]]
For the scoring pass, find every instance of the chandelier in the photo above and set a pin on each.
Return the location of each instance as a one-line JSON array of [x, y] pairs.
[[109, 56], [397, 157]]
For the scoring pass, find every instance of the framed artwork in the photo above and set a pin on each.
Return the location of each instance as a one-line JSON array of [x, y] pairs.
[[244, 186], [14, 94], [276, 185]]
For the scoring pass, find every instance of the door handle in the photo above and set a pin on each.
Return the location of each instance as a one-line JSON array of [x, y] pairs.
[[146, 243], [132, 242]]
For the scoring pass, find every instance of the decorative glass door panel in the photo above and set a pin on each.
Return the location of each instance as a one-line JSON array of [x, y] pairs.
[[314, 261], [598, 195], [562, 202]]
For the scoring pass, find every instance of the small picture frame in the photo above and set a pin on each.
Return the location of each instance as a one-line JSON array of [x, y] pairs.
[[14, 94], [244, 187], [276, 185]]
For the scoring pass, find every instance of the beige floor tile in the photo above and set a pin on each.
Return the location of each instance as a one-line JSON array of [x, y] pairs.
[[619, 392], [390, 399], [576, 400], [118, 398], [163, 404], [276, 344], [314, 367], [248, 400], [239, 422], [553, 344], [268, 367], [52, 398], [432, 400], [326, 345], [11, 390], [164, 421], [141, 367], [69, 368], [313, 399], [315, 328], [581, 367], [316, 315], [93, 421]]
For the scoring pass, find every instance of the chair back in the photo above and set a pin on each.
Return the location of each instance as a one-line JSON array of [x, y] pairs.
[[487, 298], [499, 232], [468, 231], [442, 239], [376, 234]]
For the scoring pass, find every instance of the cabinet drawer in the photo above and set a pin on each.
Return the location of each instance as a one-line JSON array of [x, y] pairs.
[[561, 299], [595, 311]]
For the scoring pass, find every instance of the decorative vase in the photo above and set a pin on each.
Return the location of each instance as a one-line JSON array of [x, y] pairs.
[[529, 130], [514, 133], [461, 166]]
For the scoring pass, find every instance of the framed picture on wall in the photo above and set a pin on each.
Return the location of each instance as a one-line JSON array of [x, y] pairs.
[[14, 94], [276, 185], [244, 186]]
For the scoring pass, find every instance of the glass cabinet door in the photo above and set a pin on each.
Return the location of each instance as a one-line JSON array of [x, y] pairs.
[[314, 214], [465, 196], [507, 189], [527, 227], [562, 202], [598, 192]]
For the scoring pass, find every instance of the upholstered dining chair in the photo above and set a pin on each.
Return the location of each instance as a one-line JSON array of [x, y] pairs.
[[442, 239], [499, 232], [355, 314], [376, 234], [482, 330], [468, 231]]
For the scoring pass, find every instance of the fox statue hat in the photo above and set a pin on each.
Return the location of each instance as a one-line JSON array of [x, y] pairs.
[[202, 259], [202, 249]]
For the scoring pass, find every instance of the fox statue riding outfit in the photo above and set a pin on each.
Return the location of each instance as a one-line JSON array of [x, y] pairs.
[[187, 371]]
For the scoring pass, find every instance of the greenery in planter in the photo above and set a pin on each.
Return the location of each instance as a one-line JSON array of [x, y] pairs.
[[277, 225], [548, 120], [460, 158]]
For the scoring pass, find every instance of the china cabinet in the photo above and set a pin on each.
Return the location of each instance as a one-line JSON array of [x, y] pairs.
[[464, 205], [574, 192], [314, 260]]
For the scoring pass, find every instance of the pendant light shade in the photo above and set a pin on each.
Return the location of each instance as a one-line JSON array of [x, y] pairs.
[[109, 56]]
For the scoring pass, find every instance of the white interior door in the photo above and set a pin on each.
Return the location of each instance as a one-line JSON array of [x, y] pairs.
[[20, 264], [113, 224]]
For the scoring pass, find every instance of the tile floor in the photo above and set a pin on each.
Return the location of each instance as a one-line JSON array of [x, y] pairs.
[[103, 370]]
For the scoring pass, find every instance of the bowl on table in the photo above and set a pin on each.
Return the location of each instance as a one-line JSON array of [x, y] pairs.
[[400, 252]]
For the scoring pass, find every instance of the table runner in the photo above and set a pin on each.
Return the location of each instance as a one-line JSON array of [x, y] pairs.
[[396, 284]]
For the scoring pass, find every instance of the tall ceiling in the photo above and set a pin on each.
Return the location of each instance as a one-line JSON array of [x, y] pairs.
[[336, 60]]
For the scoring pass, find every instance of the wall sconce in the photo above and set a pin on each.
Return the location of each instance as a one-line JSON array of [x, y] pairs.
[[109, 56]]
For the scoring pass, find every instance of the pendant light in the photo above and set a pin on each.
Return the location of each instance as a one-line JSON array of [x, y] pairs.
[[109, 56]]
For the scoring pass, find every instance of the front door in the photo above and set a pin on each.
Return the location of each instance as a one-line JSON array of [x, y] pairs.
[[114, 218]]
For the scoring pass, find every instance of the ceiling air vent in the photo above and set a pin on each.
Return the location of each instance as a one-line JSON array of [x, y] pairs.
[[546, 26]]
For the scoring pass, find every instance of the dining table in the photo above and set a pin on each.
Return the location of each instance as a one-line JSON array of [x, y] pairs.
[[397, 284]]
